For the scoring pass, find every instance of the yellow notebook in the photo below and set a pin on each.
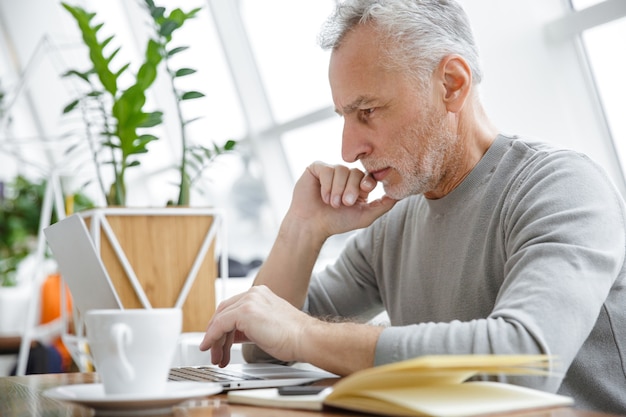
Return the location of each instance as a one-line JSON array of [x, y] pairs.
[[425, 386]]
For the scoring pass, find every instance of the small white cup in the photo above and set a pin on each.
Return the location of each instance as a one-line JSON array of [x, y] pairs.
[[133, 349]]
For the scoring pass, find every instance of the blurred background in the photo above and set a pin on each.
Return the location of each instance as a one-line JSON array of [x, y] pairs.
[[249, 72], [552, 70]]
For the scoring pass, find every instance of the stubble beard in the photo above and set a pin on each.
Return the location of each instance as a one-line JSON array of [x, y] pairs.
[[428, 145]]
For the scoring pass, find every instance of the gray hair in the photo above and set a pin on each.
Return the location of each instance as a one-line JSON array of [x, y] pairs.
[[419, 32]]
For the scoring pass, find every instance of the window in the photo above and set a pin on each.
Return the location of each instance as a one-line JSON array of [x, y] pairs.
[[293, 67], [607, 64], [294, 70]]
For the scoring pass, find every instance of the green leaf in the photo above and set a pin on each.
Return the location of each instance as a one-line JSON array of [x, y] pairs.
[[168, 27], [193, 13], [113, 54], [82, 75], [145, 139], [71, 106], [146, 76], [121, 70], [195, 165], [106, 41], [148, 71], [184, 71], [70, 149], [110, 144], [157, 12], [186, 122], [96, 53], [230, 145], [189, 95], [152, 119], [178, 16], [201, 153], [177, 50]]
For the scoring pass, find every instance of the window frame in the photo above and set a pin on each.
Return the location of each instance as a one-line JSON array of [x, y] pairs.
[[571, 27]]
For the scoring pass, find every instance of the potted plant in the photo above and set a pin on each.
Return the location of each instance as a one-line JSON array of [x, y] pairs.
[[21, 203], [122, 124], [153, 255]]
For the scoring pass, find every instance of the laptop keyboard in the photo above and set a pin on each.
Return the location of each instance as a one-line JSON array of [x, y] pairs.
[[210, 374]]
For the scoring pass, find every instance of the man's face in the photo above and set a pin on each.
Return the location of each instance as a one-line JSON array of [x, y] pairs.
[[402, 135]]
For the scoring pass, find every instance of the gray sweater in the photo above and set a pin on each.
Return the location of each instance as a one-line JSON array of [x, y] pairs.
[[526, 255]]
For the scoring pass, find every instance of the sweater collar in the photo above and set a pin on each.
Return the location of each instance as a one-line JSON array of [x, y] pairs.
[[477, 176]]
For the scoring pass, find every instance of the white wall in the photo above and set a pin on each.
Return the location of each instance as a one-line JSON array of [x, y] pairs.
[[536, 87]]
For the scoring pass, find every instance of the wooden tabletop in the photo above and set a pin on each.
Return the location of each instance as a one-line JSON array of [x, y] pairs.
[[22, 397]]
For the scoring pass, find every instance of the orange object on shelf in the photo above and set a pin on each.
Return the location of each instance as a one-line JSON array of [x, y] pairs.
[[51, 310]]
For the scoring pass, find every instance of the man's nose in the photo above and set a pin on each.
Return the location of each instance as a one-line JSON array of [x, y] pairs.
[[354, 143]]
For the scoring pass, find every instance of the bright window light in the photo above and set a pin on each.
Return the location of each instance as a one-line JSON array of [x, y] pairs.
[[607, 65], [293, 67], [583, 4]]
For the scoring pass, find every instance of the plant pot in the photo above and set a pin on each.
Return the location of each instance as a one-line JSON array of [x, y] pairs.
[[160, 258]]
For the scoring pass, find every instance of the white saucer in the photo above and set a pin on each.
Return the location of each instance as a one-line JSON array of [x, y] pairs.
[[92, 395]]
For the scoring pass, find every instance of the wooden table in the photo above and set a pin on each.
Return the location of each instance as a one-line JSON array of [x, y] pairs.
[[22, 397]]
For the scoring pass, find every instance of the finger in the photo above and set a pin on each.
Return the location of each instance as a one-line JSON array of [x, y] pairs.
[[228, 344], [340, 182], [205, 344], [352, 191], [379, 207], [221, 308], [324, 174], [368, 183], [216, 351], [221, 324], [221, 343]]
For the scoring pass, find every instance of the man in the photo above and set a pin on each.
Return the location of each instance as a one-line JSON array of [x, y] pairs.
[[494, 244]]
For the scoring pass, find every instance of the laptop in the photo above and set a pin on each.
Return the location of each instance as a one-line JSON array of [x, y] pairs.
[[90, 285]]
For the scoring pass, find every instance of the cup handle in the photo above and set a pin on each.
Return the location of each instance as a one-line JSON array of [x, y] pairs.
[[123, 336]]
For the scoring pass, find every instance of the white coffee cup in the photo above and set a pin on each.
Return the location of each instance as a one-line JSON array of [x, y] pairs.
[[133, 349]]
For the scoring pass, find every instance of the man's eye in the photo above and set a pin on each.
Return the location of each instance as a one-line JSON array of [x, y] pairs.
[[367, 112]]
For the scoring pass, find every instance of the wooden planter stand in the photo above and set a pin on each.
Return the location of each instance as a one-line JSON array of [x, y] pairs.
[[162, 257]]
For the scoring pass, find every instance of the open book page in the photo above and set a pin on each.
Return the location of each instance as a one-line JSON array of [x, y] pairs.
[[454, 400], [441, 369], [425, 386]]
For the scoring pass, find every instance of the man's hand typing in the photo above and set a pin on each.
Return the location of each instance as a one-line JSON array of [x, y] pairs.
[[257, 316]]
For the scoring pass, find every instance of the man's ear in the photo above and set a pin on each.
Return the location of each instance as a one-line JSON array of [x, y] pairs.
[[457, 82]]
